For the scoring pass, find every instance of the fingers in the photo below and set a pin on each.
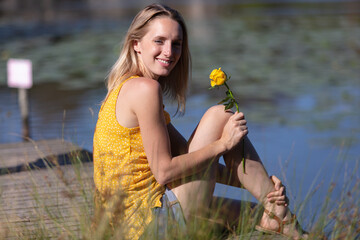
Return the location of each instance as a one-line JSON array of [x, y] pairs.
[[276, 193], [234, 130], [279, 195], [281, 203], [279, 200], [238, 116], [238, 119], [284, 202], [276, 182]]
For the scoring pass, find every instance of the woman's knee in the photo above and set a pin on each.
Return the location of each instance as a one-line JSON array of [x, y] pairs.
[[211, 124], [218, 113]]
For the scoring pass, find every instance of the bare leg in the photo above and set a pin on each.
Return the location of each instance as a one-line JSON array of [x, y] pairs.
[[256, 180], [195, 193], [199, 188]]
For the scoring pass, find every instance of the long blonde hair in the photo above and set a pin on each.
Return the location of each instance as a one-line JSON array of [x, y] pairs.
[[175, 84]]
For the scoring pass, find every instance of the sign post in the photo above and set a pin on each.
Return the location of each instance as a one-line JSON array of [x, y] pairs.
[[19, 73]]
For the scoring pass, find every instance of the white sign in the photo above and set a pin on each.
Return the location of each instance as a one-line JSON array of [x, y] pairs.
[[19, 73]]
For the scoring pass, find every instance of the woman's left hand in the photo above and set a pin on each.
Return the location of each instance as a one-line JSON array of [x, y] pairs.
[[279, 195]]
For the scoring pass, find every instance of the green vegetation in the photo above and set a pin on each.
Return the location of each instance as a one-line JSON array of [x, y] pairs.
[[63, 208]]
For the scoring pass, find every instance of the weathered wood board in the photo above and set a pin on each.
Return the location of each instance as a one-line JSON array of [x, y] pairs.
[[44, 200], [14, 154]]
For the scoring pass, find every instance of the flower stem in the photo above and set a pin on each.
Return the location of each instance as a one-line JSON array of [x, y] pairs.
[[243, 141]]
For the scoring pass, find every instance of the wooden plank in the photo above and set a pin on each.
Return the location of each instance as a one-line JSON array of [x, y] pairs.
[[52, 201], [49, 200], [17, 157], [15, 154]]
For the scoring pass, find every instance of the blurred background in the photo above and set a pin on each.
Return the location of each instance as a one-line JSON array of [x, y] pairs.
[[294, 66]]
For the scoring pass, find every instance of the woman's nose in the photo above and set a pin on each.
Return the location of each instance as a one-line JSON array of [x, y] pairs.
[[168, 49]]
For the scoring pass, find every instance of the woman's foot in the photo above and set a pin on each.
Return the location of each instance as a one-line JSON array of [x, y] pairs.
[[288, 226]]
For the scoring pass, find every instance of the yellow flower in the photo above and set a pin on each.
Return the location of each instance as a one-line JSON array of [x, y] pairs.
[[218, 77]]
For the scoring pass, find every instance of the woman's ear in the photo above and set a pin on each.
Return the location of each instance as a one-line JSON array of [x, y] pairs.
[[136, 46]]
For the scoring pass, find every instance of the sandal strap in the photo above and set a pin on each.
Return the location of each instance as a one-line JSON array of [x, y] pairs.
[[273, 216], [280, 222]]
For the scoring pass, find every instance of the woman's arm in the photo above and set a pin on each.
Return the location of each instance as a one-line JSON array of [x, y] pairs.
[[146, 103], [178, 143], [179, 146]]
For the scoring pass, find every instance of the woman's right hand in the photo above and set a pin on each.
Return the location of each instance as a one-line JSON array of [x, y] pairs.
[[234, 130], [278, 196]]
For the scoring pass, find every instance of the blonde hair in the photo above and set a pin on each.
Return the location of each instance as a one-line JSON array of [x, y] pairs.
[[175, 84]]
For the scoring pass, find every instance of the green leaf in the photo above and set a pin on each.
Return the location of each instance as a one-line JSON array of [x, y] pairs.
[[224, 100], [229, 105]]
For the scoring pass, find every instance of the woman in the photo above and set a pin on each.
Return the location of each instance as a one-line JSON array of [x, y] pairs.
[[143, 165]]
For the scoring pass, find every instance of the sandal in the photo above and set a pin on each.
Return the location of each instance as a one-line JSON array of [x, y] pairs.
[[280, 230]]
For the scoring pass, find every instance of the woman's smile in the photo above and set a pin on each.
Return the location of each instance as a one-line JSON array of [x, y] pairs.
[[164, 62]]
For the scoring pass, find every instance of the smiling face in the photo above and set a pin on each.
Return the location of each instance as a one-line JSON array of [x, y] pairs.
[[160, 48]]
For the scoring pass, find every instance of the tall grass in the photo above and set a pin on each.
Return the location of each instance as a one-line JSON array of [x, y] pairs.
[[62, 207]]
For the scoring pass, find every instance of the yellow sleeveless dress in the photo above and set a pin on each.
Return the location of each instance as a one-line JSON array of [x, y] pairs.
[[122, 172]]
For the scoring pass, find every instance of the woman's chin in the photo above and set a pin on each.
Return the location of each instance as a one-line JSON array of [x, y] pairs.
[[164, 74]]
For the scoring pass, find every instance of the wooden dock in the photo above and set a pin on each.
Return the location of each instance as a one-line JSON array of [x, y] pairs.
[[51, 197], [46, 190]]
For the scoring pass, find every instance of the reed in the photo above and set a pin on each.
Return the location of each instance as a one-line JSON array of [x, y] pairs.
[[63, 208]]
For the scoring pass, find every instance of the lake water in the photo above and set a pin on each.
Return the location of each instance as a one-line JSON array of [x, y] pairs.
[[295, 71]]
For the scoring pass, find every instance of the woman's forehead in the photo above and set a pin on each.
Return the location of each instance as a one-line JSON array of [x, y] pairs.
[[164, 27]]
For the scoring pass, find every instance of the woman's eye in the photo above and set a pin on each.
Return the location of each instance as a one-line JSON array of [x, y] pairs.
[[158, 41]]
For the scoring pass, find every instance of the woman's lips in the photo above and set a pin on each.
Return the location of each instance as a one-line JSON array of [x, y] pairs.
[[164, 62]]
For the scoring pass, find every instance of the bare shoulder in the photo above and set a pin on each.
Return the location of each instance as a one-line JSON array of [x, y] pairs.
[[143, 85], [137, 97], [142, 90]]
